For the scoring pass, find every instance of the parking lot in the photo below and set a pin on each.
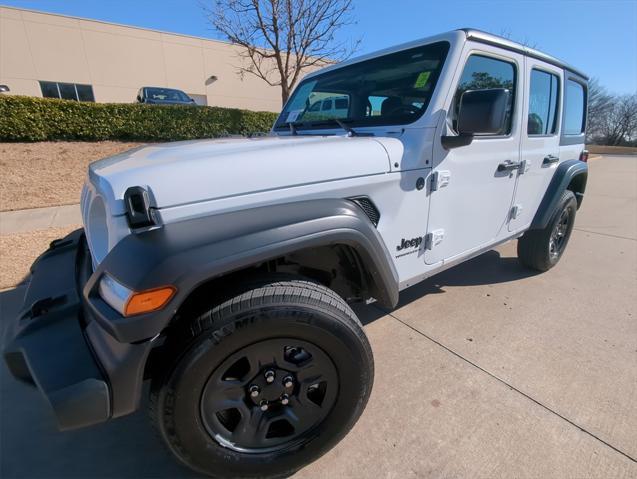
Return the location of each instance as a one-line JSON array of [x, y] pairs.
[[486, 370]]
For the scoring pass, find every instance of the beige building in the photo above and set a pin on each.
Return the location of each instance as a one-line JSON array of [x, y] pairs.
[[44, 54]]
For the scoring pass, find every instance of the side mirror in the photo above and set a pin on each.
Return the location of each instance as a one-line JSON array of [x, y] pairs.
[[481, 112], [139, 99]]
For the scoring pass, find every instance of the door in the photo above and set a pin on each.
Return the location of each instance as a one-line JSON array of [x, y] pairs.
[[540, 143], [472, 199]]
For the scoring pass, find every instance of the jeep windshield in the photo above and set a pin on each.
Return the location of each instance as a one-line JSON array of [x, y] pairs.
[[392, 89]]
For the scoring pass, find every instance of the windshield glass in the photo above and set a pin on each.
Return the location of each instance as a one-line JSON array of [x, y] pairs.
[[388, 90], [166, 94]]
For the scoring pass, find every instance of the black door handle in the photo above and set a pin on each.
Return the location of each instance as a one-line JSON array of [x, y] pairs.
[[548, 159], [509, 166]]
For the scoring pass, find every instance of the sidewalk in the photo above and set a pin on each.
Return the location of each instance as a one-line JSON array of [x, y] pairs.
[[22, 221]]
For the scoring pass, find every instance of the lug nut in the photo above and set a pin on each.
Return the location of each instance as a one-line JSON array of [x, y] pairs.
[[264, 405], [269, 376], [288, 382], [254, 390], [285, 400]]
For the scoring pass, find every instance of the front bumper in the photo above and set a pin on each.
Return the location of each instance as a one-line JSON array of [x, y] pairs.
[[86, 375]]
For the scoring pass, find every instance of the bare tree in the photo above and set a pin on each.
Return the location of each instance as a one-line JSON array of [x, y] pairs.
[[599, 103], [618, 122], [506, 33], [281, 38]]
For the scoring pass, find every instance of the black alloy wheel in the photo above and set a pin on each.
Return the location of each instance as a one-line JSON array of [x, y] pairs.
[[266, 380], [268, 395], [541, 249], [558, 238]]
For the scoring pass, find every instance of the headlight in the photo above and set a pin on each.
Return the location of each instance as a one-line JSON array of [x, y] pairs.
[[128, 302]]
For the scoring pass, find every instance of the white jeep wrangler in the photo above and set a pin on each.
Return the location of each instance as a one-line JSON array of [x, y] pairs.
[[221, 270]]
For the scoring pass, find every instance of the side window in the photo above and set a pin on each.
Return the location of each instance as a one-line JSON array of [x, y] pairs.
[[574, 108], [374, 105], [323, 105], [340, 103], [483, 73], [543, 96]]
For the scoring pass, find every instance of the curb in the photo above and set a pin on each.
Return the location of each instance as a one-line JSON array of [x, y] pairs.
[[23, 221]]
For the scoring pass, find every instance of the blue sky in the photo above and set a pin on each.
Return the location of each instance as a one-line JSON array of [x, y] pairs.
[[597, 36]]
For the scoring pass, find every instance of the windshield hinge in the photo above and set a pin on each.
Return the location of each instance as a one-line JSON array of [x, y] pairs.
[[440, 179], [434, 238]]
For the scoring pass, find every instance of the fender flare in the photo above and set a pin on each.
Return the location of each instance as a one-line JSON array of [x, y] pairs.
[[564, 175], [189, 253]]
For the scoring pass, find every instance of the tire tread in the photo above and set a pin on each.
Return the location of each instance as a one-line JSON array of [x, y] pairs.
[[533, 246], [270, 290]]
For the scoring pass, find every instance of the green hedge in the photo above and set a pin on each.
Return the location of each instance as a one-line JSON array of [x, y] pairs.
[[42, 119]]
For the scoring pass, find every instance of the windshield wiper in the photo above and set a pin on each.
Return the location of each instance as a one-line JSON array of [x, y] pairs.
[[342, 124], [294, 126], [345, 127]]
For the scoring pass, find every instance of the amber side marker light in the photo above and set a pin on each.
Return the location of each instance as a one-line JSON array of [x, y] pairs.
[[148, 301]]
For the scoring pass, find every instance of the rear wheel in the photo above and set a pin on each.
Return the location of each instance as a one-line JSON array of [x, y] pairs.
[[265, 382], [542, 249]]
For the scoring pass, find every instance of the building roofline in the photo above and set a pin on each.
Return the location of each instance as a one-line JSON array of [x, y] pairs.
[[73, 17], [489, 38]]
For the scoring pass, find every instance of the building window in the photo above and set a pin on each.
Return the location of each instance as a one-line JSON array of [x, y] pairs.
[[67, 91]]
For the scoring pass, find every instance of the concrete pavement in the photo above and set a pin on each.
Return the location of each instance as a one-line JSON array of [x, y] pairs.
[[23, 221], [486, 370]]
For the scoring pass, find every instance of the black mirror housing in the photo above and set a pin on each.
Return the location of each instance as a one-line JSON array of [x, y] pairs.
[[483, 112]]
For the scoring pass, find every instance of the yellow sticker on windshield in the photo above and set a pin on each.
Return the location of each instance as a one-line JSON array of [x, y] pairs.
[[421, 81]]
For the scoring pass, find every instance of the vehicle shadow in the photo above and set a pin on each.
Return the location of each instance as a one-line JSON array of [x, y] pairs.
[[488, 268], [31, 446]]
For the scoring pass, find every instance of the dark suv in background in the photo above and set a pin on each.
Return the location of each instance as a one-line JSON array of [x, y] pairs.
[[163, 96]]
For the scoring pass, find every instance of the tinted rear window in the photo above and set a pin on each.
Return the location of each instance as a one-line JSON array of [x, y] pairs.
[[574, 108]]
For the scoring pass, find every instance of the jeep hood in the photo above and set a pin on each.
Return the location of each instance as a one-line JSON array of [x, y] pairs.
[[187, 172]]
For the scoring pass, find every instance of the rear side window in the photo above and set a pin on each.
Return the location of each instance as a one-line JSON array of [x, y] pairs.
[[483, 73], [340, 104], [574, 108], [543, 96]]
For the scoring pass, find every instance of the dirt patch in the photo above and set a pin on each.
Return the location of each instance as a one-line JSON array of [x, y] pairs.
[[42, 174], [19, 251], [611, 150]]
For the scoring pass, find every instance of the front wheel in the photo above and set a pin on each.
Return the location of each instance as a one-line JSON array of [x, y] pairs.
[[542, 249], [268, 381]]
